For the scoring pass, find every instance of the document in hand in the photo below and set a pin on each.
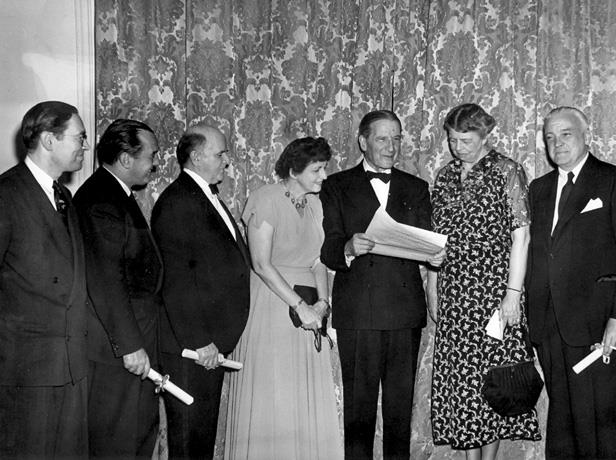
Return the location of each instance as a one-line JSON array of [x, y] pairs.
[[399, 240]]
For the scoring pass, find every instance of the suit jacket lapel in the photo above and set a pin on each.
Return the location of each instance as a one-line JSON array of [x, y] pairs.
[[52, 219], [581, 193], [360, 189], [79, 266], [68, 240], [133, 209], [397, 200], [238, 236], [548, 215], [211, 212]]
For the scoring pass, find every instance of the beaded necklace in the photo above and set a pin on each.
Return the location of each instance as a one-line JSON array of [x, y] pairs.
[[298, 203]]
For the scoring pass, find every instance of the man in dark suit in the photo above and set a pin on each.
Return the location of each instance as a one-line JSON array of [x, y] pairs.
[[206, 287], [378, 302], [573, 243], [124, 272], [43, 298]]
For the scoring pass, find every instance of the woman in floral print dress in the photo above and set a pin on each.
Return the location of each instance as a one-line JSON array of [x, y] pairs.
[[480, 202]]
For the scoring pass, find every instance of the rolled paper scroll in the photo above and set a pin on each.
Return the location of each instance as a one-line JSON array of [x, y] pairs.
[[192, 354], [588, 360], [165, 384]]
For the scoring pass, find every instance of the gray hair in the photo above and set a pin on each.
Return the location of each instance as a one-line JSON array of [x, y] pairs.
[[577, 113]]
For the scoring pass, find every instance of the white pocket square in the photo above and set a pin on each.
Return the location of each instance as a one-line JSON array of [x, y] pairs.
[[594, 203]]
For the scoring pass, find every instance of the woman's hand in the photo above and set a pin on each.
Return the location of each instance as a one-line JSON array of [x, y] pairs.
[[437, 259], [432, 298], [432, 294], [510, 308], [309, 317], [321, 307]]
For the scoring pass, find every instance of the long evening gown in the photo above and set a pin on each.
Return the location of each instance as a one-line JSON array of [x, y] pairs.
[[282, 403]]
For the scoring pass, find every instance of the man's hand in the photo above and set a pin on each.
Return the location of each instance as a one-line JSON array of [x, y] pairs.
[[208, 356], [137, 363], [358, 245], [437, 259], [609, 337]]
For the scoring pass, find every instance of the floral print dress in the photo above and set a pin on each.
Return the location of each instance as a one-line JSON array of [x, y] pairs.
[[478, 215]]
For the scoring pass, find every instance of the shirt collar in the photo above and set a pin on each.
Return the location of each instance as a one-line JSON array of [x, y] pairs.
[[368, 167], [44, 179], [563, 174], [125, 187], [201, 182]]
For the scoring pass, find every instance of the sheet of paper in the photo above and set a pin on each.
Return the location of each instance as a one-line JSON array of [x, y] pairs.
[[496, 326], [399, 240]]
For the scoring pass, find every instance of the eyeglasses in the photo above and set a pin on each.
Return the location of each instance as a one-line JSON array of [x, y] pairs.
[[82, 138]]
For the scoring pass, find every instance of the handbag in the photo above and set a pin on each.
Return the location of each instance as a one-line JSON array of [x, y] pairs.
[[310, 295], [513, 389]]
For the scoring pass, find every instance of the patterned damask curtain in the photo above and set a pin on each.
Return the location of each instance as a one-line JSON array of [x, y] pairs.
[[268, 71]]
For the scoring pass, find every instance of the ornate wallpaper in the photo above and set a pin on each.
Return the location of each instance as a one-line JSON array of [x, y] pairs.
[[268, 71]]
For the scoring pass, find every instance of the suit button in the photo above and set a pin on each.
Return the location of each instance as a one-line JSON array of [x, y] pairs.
[[55, 280], [68, 338], [371, 264]]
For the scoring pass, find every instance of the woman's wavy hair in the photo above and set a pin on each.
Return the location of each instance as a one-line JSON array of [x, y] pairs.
[[300, 153]]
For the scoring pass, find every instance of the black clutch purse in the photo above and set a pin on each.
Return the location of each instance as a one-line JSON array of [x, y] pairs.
[[310, 295], [512, 389]]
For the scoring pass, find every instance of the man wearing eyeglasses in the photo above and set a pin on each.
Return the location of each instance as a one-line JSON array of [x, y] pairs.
[[43, 298], [124, 271]]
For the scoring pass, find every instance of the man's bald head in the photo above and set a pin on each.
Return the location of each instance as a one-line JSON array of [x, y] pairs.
[[203, 149]]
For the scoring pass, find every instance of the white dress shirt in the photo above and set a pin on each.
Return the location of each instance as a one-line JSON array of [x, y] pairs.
[[203, 185], [562, 180], [381, 189], [43, 179]]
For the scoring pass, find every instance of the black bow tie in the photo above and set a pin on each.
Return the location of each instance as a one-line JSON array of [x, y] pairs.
[[213, 188], [385, 177]]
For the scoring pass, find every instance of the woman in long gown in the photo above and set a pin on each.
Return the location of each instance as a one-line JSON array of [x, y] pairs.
[[480, 202], [282, 403]]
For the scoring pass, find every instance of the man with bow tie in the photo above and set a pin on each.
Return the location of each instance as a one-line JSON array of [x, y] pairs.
[[378, 302], [206, 287], [124, 271], [573, 244]]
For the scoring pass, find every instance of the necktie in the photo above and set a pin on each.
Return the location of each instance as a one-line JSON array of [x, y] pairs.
[[213, 188], [564, 194], [378, 175], [60, 200]]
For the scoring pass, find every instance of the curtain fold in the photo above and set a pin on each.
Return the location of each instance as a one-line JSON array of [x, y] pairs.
[[269, 71]]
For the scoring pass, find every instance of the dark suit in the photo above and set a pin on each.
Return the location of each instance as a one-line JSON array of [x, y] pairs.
[[568, 309], [206, 293], [42, 322], [378, 308], [124, 278]]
